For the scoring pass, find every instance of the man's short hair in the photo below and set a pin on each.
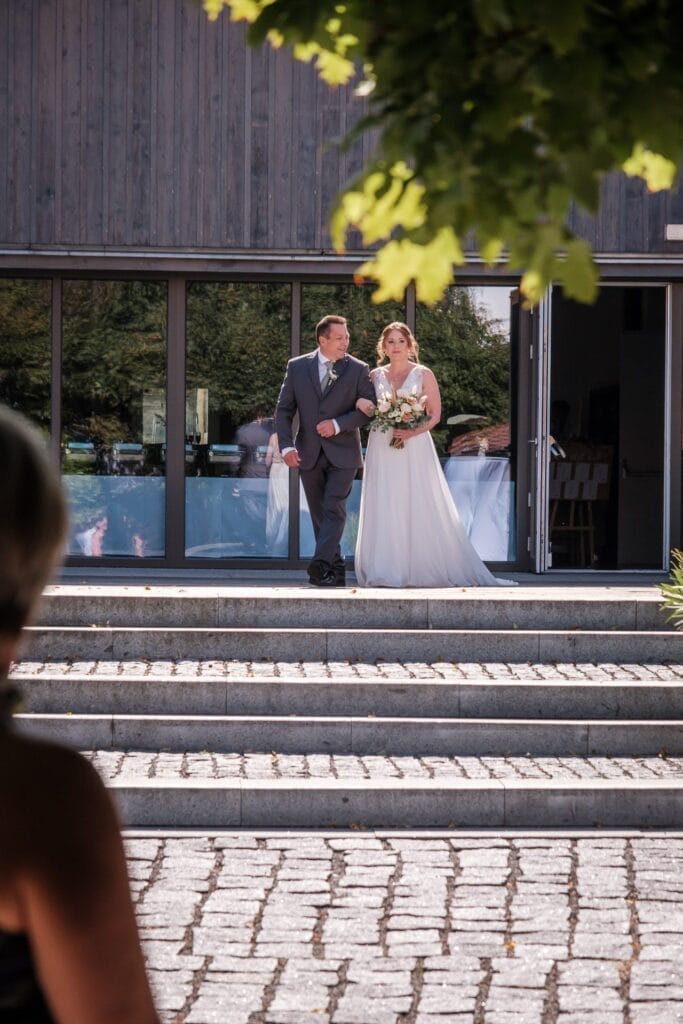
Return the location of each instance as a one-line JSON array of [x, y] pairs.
[[322, 328]]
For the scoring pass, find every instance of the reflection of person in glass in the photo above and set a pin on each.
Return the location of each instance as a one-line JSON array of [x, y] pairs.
[[277, 512], [91, 540], [253, 438], [69, 948]]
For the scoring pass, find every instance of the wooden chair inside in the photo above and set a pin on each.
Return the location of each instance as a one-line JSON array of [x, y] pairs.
[[576, 483]]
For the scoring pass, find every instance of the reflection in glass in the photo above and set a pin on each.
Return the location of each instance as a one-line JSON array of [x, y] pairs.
[[465, 340], [25, 362], [365, 320], [114, 416], [237, 487]]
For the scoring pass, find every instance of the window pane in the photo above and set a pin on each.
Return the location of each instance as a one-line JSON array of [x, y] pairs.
[[237, 488], [114, 416], [465, 340], [25, 358], [365, 320]]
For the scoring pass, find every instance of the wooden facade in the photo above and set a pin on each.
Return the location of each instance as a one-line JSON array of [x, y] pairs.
[[139, 124]]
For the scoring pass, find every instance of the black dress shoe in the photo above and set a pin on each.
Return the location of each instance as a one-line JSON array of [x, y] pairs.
[[328, 580], [318, 570]]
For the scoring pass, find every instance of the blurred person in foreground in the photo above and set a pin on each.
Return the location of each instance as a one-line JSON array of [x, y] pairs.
[[69, 947]]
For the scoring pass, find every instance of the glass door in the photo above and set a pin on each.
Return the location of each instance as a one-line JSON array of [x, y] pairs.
[[606, 425]]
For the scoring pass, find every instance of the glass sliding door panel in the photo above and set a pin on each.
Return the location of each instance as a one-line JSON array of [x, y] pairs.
[[114, 416], [25, 348], [365, 321], [236, 487], [466, 340], [606, 475]]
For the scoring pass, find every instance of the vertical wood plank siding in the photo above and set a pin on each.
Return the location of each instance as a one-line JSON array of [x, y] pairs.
[[20, 184], [139, 123], [5, 44]]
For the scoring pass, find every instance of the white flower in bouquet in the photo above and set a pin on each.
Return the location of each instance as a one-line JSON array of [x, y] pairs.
[[403, 408]]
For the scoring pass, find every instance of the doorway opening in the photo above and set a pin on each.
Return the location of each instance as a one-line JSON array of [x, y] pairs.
[[607, 414]]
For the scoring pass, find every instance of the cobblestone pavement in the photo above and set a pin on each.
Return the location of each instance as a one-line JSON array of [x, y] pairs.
[[121, 765], [352, 670], [365, 928]]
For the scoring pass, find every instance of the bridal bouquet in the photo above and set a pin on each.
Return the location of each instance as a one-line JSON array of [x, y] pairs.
[[400, 409]]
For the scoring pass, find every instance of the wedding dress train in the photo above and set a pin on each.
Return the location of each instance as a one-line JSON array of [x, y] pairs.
[[409, 532]]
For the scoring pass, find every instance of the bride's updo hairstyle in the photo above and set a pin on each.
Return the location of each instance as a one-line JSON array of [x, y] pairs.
[[413, 347], [33, 521]]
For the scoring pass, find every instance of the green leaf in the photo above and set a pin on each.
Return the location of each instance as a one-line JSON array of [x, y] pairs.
[[491, 250], [240, 10], [580, 275], [401, 261], [563, 23], [658, 172], [385, 201], [333, 67]]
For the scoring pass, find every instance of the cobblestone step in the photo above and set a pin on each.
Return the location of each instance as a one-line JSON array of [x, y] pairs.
[[278, 607], [321, 645], [195, 688], [358, 735], [272, 765]]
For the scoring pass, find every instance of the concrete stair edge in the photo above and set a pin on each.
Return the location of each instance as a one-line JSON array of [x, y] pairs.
[[339, 645], [405, 698], [555, 608], [460, 803], [360, 735]]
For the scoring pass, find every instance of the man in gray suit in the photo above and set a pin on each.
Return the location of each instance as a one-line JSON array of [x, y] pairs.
[[323, 387]]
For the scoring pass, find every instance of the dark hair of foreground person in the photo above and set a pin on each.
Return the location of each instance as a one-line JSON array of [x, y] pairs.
[[69, 947]]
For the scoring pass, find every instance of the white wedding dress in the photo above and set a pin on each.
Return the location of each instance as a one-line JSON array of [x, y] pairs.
[[409, 532]]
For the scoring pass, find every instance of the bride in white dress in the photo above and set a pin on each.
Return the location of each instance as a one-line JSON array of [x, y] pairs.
[[410, 534]]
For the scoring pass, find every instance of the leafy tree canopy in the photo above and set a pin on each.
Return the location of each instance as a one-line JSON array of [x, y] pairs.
[[493, 115]]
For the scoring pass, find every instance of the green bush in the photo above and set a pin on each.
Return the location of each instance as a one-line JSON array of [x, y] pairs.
[[672, 592]]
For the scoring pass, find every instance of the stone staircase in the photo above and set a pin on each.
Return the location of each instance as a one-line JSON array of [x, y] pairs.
[[521, 708]]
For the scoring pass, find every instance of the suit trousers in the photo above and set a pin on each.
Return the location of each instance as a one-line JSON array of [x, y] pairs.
[[327, 488]]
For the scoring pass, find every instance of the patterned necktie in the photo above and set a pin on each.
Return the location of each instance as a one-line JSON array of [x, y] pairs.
[[325, 379]]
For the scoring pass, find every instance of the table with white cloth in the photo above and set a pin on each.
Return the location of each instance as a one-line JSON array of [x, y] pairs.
[[484, 497]]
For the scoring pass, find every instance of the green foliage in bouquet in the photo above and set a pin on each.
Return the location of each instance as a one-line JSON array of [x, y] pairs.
[[673, 592]]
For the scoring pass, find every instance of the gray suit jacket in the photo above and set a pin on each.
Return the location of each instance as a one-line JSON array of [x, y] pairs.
[[301, 393]]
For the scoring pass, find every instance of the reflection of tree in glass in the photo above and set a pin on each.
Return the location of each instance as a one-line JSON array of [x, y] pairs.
[[470, 357], [25, 347], [114, 348], [238, 344]]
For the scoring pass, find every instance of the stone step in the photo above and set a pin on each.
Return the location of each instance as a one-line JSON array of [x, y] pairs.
[[358, 735], [60, 689], [399, 803], [320, 645], [276, 790], [524, 608]]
